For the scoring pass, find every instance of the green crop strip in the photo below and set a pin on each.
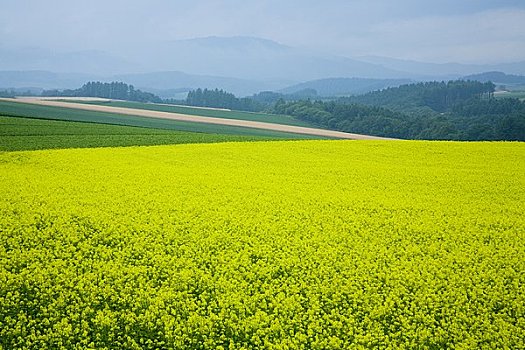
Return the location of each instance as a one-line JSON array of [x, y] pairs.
[[19, 109], [31, 134]]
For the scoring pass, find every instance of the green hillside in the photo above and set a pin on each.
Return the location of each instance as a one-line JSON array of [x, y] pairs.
[[18, 109]]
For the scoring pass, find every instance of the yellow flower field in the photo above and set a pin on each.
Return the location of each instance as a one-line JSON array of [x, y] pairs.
[[275, 245]]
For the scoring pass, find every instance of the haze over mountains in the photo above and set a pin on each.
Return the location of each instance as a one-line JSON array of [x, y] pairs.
[[344, 86], [94, 62], [436, 70], [243, 65]]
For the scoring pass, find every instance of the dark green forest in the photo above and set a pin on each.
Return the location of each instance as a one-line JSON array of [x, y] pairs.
[[439, 96], [259, 102], [221, 99], [7, 93], [262, 101], [457, 110], [113, 90]]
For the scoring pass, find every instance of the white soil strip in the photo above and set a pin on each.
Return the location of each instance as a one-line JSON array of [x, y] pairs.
[[200, 119], [195, 107], [55, 98], [101, 99]]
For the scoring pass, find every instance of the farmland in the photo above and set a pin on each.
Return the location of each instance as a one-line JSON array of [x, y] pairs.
[[216, 113], [239, 125], [18, 109], [511, 94], [18, 134], [278, 245]]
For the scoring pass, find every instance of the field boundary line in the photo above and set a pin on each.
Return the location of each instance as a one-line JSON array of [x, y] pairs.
[[201, 119]]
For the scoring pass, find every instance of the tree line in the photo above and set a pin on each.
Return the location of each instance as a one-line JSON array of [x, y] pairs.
[[221, 99], [261, 101], [472, 120], [113, 90], [439, 96], [454, 110]]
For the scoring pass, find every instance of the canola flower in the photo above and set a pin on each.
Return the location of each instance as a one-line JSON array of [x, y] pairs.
[[267, 245]]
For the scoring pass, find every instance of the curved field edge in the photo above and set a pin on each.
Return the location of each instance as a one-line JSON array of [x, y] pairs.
[[205, 112], [21, 109], [304, 244], [30, 134]]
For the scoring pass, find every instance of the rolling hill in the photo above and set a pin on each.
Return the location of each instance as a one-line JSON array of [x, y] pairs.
[[344, 86]]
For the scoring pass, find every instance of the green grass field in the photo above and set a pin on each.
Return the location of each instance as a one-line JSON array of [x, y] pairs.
[[259, 117], [18, 134], [512, 94], [264, 245], [18, 109]]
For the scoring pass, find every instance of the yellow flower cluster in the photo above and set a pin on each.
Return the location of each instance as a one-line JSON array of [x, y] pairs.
[[275, 245]]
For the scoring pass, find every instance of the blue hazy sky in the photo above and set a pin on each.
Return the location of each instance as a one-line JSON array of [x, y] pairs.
[[480, 31]]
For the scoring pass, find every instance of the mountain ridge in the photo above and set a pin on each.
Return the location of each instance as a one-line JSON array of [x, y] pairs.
[[344, 86]]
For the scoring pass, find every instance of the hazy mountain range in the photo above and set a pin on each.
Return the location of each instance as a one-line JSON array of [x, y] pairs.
[[498, 78], [86, 62], [444, 70], [344, 86], [165, 84], [242, 65]]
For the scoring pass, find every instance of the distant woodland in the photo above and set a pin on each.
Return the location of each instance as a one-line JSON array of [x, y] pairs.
[[221, 99], [114, 90], [454, 110], [470, 120], [457, 110]]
